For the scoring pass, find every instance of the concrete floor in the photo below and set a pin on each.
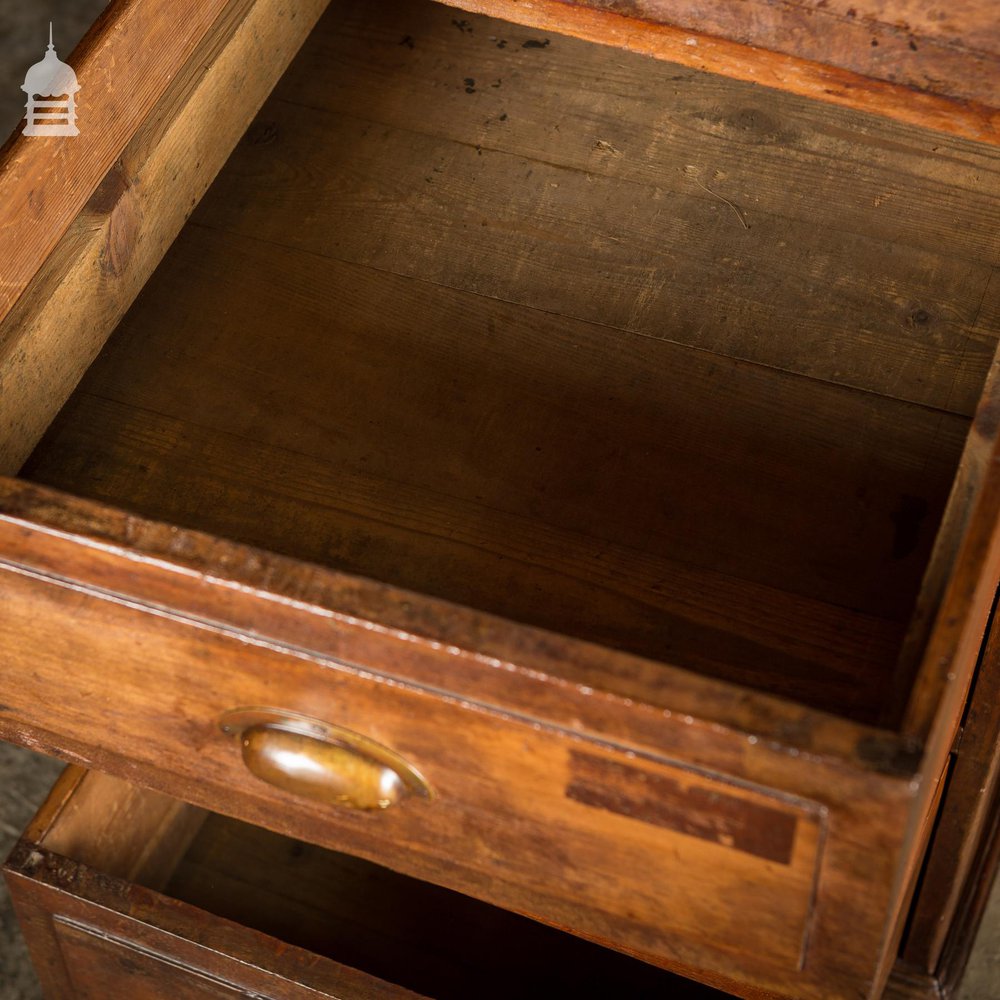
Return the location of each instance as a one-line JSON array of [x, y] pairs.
[[24, 781], [25, 777]]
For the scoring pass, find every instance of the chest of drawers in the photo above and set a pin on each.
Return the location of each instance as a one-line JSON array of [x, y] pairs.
[[560, 477]]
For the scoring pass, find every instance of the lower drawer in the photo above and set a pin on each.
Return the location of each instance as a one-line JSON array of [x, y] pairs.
[[126, 892]]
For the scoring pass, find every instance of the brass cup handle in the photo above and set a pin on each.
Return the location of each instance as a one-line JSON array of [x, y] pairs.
[[320, 761]]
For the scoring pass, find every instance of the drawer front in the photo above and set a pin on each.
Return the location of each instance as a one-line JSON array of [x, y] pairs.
[[126, 892], [93, 937], [627, 848], [732, 873]]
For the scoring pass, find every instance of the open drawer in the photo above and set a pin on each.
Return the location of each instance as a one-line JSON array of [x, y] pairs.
[[122, 892], [548, 474]]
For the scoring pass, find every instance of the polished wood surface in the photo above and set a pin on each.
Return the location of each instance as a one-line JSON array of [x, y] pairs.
[[553, 798]]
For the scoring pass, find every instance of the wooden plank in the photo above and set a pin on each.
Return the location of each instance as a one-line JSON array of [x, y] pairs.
[[119, 829], [941, 83], [124, 65], [967, 814], [530, 215], [434, 644], [94, 935], [60, 323], [971, 910], [621, 115], [945, 638], [511, 498], [960, 585], [953, 54]]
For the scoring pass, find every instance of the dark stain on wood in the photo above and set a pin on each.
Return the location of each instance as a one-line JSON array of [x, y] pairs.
[[696, 811], [907, 520], [888, 756], [263, 133]]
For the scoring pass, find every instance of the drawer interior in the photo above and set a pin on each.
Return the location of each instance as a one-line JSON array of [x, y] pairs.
[[646, 357], [406, 932]]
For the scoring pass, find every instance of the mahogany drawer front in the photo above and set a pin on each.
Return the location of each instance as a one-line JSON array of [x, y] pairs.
[[636, 827], [124, 892], [626, 847]]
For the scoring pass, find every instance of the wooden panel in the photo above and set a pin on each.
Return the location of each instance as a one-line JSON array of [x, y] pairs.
[[924, 72], [101, 966], [92, 937], [949, 625], [577, 186], [954, 53], [972, 906], [502, 827], [51, 536], [965, 816], [358, 915], [502, 806], [59, 324], [775, 155], [124, 65]]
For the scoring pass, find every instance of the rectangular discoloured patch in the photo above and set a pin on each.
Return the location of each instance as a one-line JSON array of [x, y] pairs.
[[693, 809]]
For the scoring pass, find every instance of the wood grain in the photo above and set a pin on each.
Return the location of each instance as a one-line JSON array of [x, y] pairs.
[[966, 818], [954, 53], [588, 206], [92, 935], [53, 536], [688, 456], [182, 660], [358, 915], [513, 498], [787, 47], [124, 66], [86, 284], [501, 825], [615, 114], [950, 621], [431, 940]]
